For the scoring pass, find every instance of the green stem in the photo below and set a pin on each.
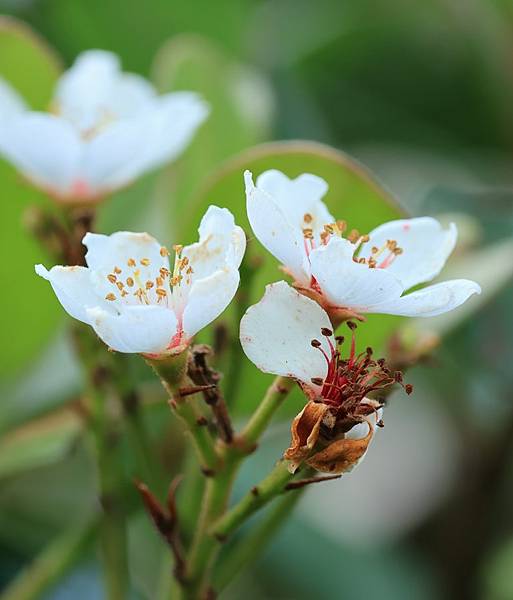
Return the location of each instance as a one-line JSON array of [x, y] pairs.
[[53, 562], [172, 373], [260, 495], [270, 403], [253, 544]]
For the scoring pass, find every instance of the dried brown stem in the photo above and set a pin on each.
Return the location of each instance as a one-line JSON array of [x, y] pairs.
[[294, 485], [205, 377], [166, 522]]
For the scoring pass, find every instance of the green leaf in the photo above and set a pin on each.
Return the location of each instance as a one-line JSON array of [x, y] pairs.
[[29, 310], [240, 101], [353, 195]]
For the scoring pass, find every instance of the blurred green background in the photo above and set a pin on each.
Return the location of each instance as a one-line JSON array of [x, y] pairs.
[[419, 92]]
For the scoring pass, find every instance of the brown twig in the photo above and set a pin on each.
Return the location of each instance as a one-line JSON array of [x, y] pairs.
[[166, 522], [207, 379], [294, 485]]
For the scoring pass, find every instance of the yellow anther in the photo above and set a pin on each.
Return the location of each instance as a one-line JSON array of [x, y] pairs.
[[308, 218], [341, 226], [372, 263], [364, 239], [308, 233], [398, 251], [120, 285], [184, 262], [164, 251], [159, 281], [189, 271], [117, 270], [164, 272], [178, 248], [145, 262], [124, 293], [354, 235], [160, 292], [131, 262], [110, 297], [329, 229], [374, 250], [149, 284], [176, 279], [112, 278], [129, 282]]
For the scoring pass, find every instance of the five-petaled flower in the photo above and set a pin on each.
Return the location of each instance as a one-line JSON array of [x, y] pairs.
[[357, 273], [133, 300], [105, 128], [288, 334]]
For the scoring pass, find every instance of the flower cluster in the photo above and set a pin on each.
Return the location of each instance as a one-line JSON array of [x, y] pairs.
[[135, 302], [104, 129]]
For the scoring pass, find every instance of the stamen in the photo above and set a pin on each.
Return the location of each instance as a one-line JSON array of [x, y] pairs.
[[112, 278], [164, 252], [307, 218], [131, 262], [111, 297], [129, 282], [145, 262], [117, 270]]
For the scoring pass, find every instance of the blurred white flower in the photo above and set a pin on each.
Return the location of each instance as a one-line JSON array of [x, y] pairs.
[[105, 128], [132, 299], [357, 273], [288, 334]]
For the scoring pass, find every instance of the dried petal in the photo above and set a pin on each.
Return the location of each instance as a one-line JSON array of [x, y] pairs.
[[342, 455], [305, 431]]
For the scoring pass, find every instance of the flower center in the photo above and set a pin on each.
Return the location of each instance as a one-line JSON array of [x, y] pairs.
[[349, 381], [379, 258], [130, 281]]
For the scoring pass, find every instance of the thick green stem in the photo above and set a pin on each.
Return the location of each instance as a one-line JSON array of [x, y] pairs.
[[53, 562], [251, 546], [172, 373], [204, 546], [270, 403], [260, 495]]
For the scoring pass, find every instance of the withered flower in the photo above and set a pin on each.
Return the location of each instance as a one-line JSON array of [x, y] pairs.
[[289, 334]]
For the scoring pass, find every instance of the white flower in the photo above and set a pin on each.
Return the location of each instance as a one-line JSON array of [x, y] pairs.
[[288, 334], [363, 274], [105, 129], [11, 103], [132, 299]]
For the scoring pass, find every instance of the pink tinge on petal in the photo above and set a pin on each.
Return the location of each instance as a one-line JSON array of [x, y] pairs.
[[80, 189]]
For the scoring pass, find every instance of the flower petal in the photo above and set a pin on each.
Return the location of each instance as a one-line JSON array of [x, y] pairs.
[[94, 91], [276, 334], [432, 300], [347, 284], [136, 329], [73, 288], [425, 244], [11, 103], [207, 299], [271, 226], [44, 148], [130, 147]]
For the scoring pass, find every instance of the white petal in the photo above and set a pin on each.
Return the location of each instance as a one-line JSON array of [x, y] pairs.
[[108, 251], [95, 91], [73, 288], [44, 148], [297, 197], [207, 299], [172, 123], [271, 226], [348, 284], [11, 103], [432, 300], [140, 329], [130, 147], [426, 247], [276, 334]]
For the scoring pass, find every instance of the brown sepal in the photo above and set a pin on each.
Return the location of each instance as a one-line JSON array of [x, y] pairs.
[[305, 431], [341, 455]]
